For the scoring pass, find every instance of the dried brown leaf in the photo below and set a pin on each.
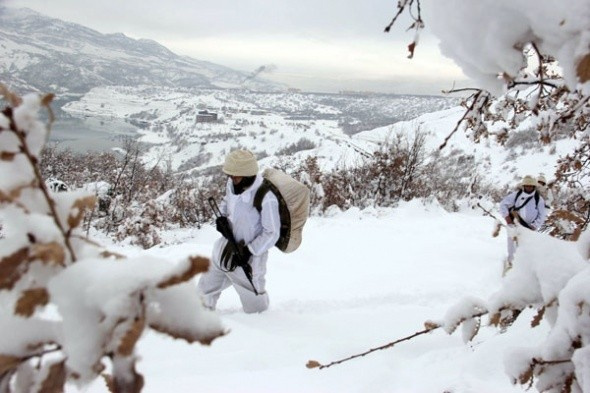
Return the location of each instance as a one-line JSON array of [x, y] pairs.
[[507, 77], [47, 99], [12, 267], [125, 384], [10, 97], [495, 319], [567, 384], [583, 69], [8, 362], [196, 265], [429, 325], [313, 364], [538, 318], [131, 336], [49, 253], [527, 376], [5, 197], [31, 299], [55, 380], [108, 380], [411, 49], [188, 336], [80, 205], [7, 156]]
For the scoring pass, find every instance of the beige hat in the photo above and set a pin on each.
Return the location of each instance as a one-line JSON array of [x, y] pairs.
[[240, 163], [528, 181], [541, 178]]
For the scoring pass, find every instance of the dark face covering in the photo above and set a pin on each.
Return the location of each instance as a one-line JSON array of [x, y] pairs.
[[243, 184]]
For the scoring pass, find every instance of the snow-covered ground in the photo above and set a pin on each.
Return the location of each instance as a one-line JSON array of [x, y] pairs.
[[361, 279]]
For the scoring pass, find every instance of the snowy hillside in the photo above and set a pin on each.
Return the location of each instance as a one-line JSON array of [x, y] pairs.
[[339, 130], [281, 124], [361, 279], [501, 165], [50, 55]]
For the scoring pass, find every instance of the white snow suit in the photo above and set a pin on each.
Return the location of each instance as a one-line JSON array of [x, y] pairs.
[[532, 213], [260, 231], [547, 194]]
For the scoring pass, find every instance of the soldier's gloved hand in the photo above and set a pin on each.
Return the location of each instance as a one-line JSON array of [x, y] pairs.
[[244, 252], [243, 255], [222, 226]]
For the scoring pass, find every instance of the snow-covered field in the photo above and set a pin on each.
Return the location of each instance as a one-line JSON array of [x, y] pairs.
[[361, 279]]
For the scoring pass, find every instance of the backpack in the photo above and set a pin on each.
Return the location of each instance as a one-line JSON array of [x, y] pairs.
[[293, 199]]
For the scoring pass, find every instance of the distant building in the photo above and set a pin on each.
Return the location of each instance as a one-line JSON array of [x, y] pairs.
[[206, 117], [258, 112]]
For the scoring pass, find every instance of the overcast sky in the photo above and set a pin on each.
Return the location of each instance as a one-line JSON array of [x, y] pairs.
[[314, 45]]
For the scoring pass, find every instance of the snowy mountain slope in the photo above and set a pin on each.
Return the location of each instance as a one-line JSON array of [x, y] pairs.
[[361, 279], [502, 165], [288, 127], [50, 55], [292, 125]]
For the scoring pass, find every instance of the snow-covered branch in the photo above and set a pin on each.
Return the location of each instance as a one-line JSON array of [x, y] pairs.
[[104, 302]]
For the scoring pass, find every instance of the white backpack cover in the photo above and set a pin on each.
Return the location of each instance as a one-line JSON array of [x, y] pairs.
[[293, 199]]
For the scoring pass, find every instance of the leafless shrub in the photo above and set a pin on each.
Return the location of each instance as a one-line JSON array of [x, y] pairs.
[[395, 172], [301, 144], [127, 191]]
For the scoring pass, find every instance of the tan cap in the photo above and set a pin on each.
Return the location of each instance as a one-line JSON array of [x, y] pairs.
[[240, 163], [542, 179], [528, 181]]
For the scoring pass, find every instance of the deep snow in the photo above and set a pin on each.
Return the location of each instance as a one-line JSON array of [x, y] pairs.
[[361, 279]]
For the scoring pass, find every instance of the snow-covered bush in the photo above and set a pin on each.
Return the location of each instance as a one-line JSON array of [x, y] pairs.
[[400, 170], [66, 304], [128, 191], [550, 275], [301, 144]]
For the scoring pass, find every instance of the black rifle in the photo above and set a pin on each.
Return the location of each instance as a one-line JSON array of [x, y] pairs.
[[231, 240]]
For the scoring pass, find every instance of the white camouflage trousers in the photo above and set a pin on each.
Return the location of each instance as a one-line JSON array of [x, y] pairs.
[[215, 280]]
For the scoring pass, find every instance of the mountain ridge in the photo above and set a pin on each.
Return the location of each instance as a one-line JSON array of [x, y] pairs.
[[46, 54]]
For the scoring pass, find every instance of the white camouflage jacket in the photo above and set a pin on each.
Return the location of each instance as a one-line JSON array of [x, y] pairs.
[[532, 213], [261, 230]]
